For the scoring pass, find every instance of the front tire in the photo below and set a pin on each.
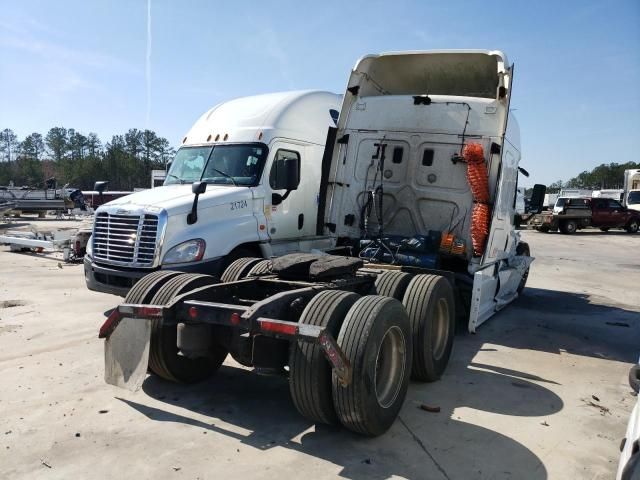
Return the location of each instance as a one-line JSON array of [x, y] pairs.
[[239, 269], [431, 308], [632, 226], [376, 338]]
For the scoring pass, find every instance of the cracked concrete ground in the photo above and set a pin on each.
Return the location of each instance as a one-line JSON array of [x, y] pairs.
[[539, 392]]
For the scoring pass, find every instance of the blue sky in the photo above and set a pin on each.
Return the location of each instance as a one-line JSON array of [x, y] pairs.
[[81, 64]]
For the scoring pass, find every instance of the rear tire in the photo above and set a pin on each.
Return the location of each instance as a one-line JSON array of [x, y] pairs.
[[261, 268], [604, 229], [309, 370], [376, 338], [632, 226], [239, 269], [429, 303], [569, 227], [164, 358], [392, 284]]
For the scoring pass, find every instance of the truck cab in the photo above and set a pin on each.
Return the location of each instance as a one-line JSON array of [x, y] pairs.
[[235, 152], [398, 170]]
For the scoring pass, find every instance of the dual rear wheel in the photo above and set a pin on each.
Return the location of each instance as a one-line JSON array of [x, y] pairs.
[[404, 331], [161, 288]]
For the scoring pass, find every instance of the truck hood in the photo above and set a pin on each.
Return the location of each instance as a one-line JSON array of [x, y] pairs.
[[177, 199]]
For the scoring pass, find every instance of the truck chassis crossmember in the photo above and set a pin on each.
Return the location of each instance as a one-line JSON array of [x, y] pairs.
[[252, 319]]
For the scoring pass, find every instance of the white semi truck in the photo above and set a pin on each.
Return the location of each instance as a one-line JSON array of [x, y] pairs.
[[235, 150], [417, 197]]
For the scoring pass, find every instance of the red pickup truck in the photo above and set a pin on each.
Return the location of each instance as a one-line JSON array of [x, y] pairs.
[[578, 213]]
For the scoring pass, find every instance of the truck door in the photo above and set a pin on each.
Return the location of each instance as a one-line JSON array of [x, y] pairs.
[[600, 212], [286, 220], [617, 214]]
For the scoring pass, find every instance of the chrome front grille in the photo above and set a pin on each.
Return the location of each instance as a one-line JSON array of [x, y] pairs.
[[125, 239]]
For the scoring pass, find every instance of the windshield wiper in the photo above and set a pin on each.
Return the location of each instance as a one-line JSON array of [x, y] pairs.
[[175, 176], [226, 175]]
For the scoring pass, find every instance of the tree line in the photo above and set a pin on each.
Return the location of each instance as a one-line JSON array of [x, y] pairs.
[[602, 177], [80, 160]]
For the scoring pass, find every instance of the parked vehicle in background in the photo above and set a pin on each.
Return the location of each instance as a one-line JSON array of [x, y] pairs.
[[576, 192], [629, 465], [576, 213], [221, 199], [158, 177], [613, 193], [561, 202], [631, 192], [550, 200]]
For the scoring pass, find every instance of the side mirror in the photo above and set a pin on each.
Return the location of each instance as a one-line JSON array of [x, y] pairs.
[[198, 187], [100, 187], [287, 174], [537, 198], [523, 171]]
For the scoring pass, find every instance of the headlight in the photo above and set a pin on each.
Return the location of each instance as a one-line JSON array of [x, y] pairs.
[[90, 245], [189, 251]]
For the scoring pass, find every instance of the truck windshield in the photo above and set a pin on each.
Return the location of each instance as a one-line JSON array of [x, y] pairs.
[[634, 198], [218, 165]]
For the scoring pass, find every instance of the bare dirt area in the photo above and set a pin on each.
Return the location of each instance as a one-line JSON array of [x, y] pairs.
[[539, 392]]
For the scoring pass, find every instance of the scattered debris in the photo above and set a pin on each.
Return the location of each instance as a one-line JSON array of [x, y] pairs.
[[7, 432], [595, 398], [44, 462], [77, 434], [618, 324], [544, 424], [59, 265], [429, 408], [176, 469], [603, 410], [103, 411]]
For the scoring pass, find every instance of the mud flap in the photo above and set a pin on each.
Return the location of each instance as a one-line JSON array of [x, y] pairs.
[[126, 354]]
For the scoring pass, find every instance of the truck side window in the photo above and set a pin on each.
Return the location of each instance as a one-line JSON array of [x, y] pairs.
[[397, 154], [614, 204], [280, 155], [427, 158]]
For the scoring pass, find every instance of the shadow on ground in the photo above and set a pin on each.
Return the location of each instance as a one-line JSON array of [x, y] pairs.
[[420, 444], [554, 321]]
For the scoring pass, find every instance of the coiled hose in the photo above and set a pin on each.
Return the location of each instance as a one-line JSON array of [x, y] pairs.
[[478, 179]]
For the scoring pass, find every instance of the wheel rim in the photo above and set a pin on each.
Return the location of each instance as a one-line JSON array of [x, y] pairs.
[[571, 227], [633, 227], [390, 366]]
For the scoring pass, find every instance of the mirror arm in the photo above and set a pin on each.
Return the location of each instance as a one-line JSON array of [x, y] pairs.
[[193, 216], [277, 199]]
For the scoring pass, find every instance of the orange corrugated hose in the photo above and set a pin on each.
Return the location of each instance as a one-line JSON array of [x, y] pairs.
[[478, 179]]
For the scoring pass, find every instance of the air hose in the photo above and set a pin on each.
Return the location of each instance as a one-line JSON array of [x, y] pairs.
[[478, 179]]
